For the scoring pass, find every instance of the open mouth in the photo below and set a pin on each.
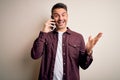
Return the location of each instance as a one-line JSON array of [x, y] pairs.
[[60, 23]]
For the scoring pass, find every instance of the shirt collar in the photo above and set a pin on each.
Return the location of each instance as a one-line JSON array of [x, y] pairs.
[[68, 31]]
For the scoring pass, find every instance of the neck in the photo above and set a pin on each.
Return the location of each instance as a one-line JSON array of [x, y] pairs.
[[62, 29]]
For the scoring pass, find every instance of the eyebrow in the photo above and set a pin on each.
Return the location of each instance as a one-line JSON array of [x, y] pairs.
[[62, 13]]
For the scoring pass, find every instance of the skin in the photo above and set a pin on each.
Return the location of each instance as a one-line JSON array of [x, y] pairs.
[[60, 18]]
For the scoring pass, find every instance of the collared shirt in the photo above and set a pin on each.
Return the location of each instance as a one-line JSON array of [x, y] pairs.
[[73, 52]]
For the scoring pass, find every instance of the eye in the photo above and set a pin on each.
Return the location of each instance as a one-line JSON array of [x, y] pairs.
[[64, 14], [55, 15]]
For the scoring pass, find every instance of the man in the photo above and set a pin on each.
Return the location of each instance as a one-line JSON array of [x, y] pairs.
[[62, 50]]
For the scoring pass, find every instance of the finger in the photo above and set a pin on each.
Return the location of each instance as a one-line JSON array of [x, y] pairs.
[[50, 23], [90, 37], [99, 35], [51, 20]]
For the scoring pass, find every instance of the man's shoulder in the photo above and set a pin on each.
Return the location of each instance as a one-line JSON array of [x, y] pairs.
[[76, 34], [76, 37]]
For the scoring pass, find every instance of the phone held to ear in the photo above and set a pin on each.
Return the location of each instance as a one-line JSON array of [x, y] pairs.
[[53, 25]]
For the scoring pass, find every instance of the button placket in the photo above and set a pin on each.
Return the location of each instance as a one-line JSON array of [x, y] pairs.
[[64, 55]]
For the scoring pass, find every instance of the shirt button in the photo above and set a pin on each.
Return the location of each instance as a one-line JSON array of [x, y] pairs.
[[75, 45], [63, 73], [64, 63]]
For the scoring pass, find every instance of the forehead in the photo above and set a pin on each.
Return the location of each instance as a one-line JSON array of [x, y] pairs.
[[59, 11]]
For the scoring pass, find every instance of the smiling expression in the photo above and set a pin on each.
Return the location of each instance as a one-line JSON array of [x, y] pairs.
[[61, 17]]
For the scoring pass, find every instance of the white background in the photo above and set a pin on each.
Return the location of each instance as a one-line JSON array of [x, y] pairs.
[[22, 20]]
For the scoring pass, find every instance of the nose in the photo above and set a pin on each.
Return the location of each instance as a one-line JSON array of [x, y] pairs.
[[60, 17]]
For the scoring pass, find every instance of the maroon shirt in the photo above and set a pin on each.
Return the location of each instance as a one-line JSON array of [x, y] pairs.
[[74, 54]]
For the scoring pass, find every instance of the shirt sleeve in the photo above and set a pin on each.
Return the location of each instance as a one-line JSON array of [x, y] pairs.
[[38, 46], [84, 59]]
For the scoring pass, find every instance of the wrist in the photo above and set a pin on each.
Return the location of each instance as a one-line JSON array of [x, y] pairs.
[[90, 52], [45, 30]]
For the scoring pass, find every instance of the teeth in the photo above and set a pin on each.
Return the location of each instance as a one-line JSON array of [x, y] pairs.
[[60, 22]]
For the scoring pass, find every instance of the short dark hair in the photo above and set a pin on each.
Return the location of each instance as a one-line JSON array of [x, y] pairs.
[[58, 5]]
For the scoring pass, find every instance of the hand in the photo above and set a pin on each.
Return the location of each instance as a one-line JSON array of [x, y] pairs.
[[48, 25], [92, 42]]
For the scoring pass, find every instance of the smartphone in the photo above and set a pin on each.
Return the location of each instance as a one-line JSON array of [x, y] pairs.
[[53, 25]]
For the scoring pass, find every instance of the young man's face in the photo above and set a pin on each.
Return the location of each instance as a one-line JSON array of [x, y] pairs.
[[60, 16]]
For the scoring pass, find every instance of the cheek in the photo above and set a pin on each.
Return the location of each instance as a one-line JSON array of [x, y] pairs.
[[66, 18], [56, 19]]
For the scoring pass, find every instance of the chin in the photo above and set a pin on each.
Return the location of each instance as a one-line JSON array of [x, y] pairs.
[[61, 27]]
